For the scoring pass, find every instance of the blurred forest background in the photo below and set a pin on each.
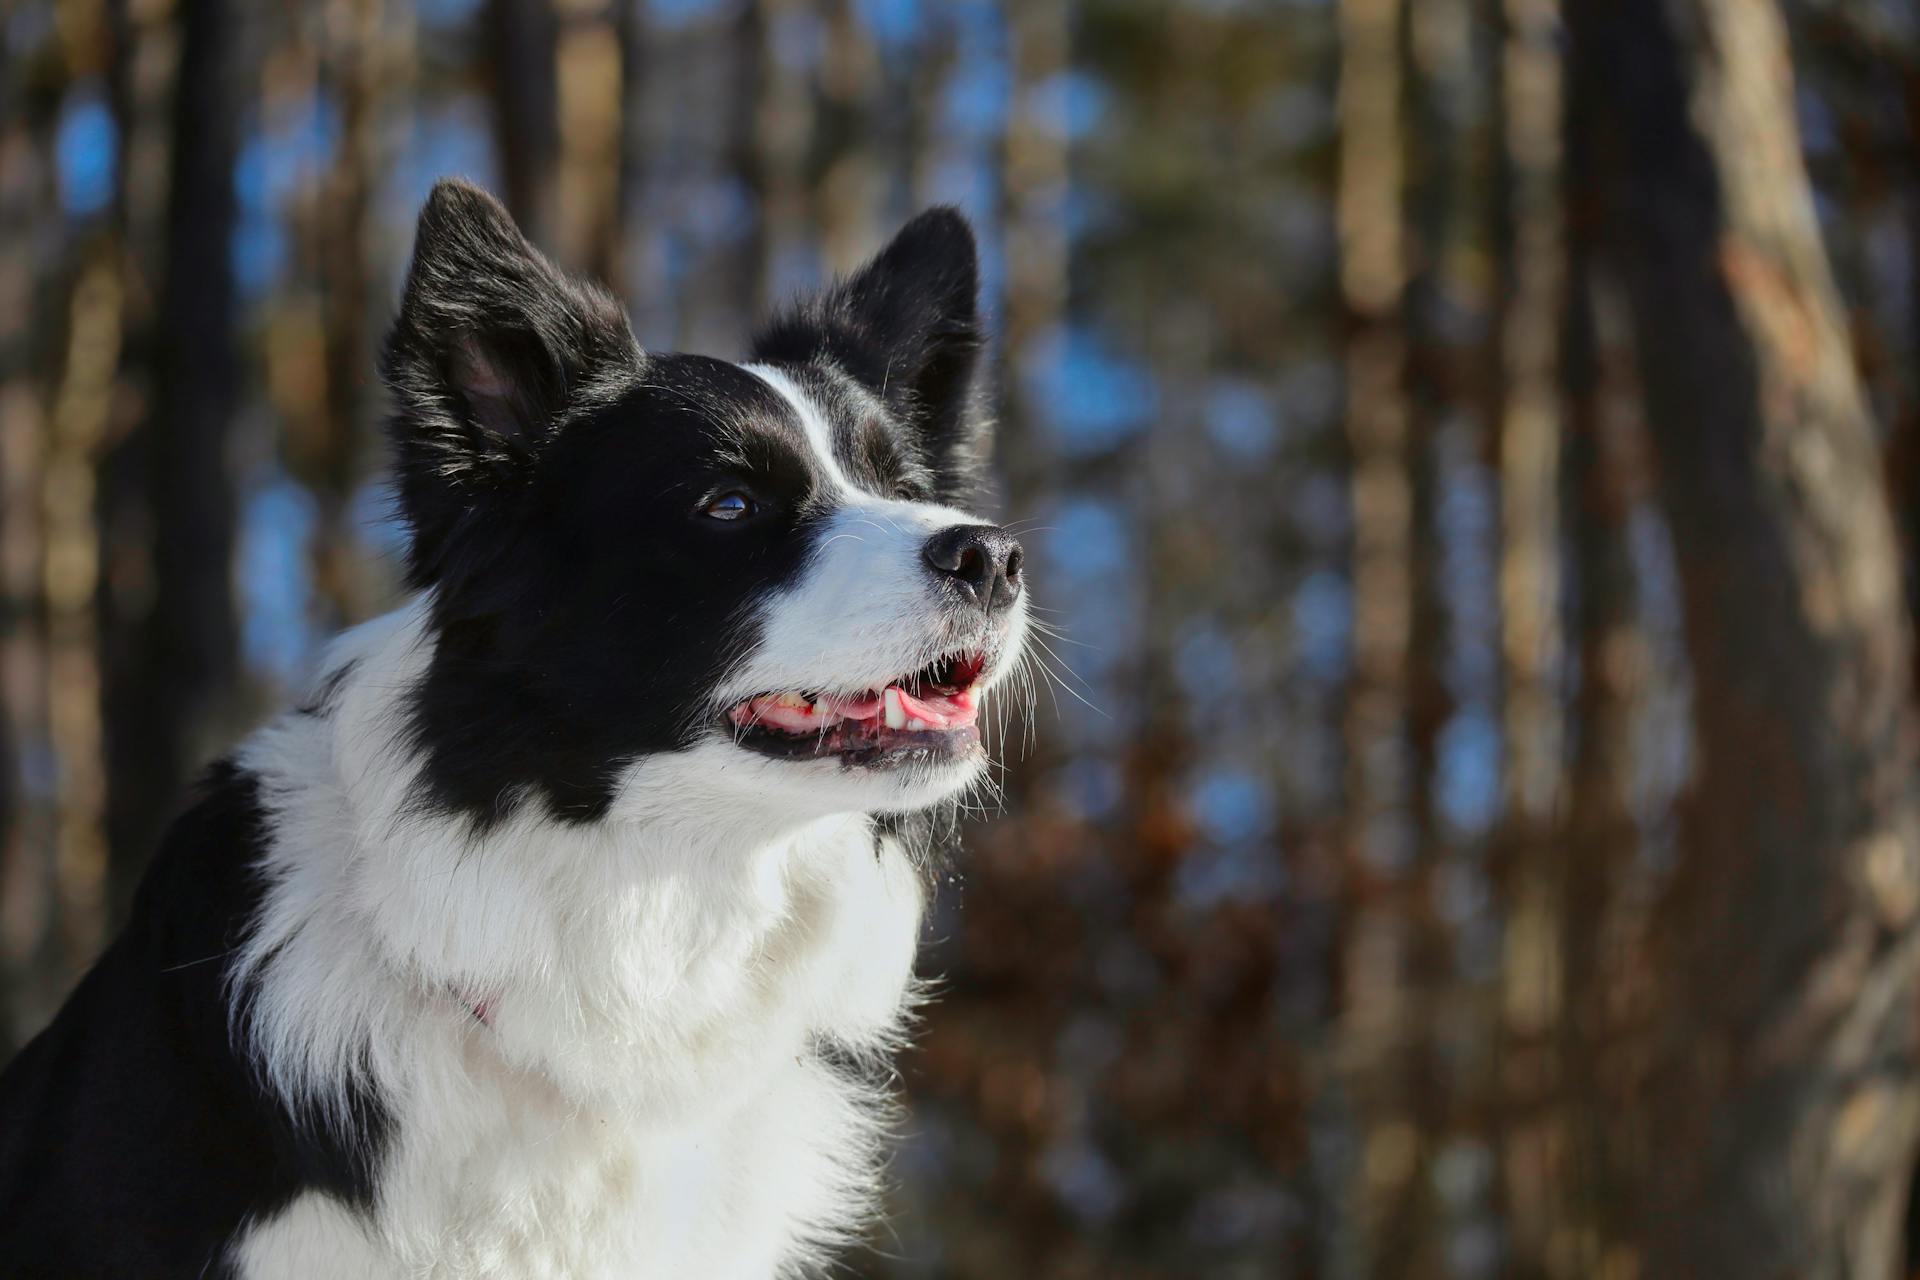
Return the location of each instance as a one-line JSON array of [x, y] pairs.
[[1474, 447]]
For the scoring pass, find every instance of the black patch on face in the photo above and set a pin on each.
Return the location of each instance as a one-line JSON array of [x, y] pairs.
[[135, 1136], [612, 605], [554, 477]]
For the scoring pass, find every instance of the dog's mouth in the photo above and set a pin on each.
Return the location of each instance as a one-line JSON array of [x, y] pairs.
[[927, 716]]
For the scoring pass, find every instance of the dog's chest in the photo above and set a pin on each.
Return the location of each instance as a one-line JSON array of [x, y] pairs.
[[542, 1193], [738, 1151]]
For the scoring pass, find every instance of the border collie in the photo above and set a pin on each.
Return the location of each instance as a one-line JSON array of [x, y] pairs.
[[567, 926]]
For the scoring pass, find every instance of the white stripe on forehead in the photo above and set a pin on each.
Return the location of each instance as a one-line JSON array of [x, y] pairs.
[[812, 421]]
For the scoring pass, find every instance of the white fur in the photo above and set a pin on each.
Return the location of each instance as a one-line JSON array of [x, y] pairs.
[[865, 609], [642, 1101]]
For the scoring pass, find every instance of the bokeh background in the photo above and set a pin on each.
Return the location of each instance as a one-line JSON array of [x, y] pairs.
[[1340, 919]]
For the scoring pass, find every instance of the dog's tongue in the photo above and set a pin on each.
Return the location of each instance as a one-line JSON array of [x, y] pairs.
[[941, 711]]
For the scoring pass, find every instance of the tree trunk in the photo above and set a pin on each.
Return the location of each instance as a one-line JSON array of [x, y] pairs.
[[37, 966], [141, 75], [782, 127], [1596, 835], [1439, 67], [361, 71], [1780, 1108], [1526, 381], [1376, 1015], [589, 95], [625, 249], [521, 37], [172, 666]]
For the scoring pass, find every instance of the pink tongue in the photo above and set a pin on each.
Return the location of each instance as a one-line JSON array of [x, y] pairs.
[[947, 710]]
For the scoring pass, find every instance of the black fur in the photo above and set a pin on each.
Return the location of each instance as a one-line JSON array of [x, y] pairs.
[[135, 1139]]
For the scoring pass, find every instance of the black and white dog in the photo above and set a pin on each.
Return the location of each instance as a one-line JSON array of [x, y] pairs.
[[565, 929]]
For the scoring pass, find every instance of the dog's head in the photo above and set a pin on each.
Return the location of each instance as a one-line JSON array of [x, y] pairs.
[[766, 569]]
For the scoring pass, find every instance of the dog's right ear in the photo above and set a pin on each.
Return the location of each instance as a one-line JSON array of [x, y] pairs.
[[492, 348], [907, 324]]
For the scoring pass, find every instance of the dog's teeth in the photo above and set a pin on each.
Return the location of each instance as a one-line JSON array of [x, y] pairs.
[[896, 714]]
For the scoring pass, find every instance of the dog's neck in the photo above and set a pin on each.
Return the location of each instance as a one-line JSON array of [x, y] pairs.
[[687, 928]]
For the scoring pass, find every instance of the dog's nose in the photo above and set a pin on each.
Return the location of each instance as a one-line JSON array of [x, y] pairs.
[[982, 560]]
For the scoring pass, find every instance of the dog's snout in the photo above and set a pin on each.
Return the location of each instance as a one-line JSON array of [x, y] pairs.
[[982, 560]]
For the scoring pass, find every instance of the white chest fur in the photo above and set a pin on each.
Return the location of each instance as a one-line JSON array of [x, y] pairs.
[[542, 1191], [646, 1098], [728, 1149]]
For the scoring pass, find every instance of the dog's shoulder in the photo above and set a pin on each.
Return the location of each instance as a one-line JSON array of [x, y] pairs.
[[138, 1074]]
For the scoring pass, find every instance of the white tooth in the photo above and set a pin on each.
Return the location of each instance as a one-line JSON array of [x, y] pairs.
[[896, 714]]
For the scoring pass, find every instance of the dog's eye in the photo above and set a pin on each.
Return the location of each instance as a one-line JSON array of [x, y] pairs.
[[732, 505]]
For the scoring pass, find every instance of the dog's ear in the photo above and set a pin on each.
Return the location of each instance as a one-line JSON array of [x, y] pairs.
[[907, 325], [492, 346]]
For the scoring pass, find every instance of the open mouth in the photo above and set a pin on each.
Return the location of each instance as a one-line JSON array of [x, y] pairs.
[[927, 716]]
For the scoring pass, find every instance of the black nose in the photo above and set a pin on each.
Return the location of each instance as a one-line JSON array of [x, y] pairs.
[[982, 560]]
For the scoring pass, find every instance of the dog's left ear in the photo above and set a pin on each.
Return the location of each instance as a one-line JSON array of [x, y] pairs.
[[493, 345], [907, 325]]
